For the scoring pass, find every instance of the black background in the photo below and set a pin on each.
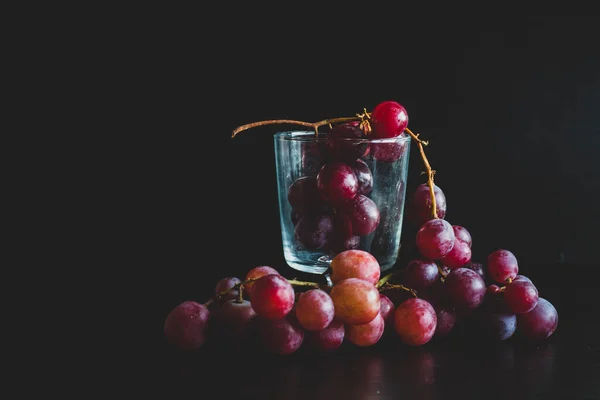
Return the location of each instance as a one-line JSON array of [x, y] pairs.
[[509, 105]]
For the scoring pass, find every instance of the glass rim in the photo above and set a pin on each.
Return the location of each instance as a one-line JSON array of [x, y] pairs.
[[310, 136]]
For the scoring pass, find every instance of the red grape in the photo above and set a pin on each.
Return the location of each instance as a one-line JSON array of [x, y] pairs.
[[315, 231], [435, 239], [465, 289], [493, 289], [462, 234], [235, 318], [459, 256], [280, 336], [420, 274], [272, 296], [356, 301], [304, 196], [539, 323], [387, 309], [521, 278], [420, 207], [336, 182], [521, 296], [186, 325], [388, 119], [388, 152], [415, 321], [342, 144], [368, 334], [502, 265], [355, 264], [226, 284], [446, 319], [256, 273], [327, 339], [363, 213], [364, 175], [314, 310], [477, 267]]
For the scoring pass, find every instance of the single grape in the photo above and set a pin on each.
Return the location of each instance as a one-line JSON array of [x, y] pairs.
[[186, 326], [280, 336], [356, 301], [342, 144], [364, 175], [272, 296], [465, 289], [365, 335], [493, 289], [304, 196], [225, 284], [420, 274], [462, 234], [539, 323], [328, 339], [415, 321], [521, 278], [363, 213], [388, 152], [420, 206], [502, 265], [387, 309], [342, 238], [446, 320], [355, 264], [256, 273], [521, 296], [477, 267], [459, 256], [497, 326], [235, 319], [336, 182], [435, 239], [313, 156], [388, 119], [315, 231], [314, 310]]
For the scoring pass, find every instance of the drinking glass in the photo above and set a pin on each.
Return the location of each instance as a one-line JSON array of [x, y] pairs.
[[340, 194]]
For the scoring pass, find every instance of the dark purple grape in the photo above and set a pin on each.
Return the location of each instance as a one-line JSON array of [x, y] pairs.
[[539, 323], [235, 319], [497, 326], [225, 284], [465, 289], [387, 310], [522, 278], [364, 176], [477, 267], [342, 144], [304, 196], [462, 234], [494, 289], [420, 206], [314, 232], [435, 239], [388, 152], [186, 326], [337, 182], [342, 237], [313, 157], [521, 296], [446, 319], [295, 216], [280, 336], [420, 274], [502, 265], [328, 339], [363, 213]]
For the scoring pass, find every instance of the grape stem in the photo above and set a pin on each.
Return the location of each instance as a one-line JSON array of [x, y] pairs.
[[237, 286], [387, 285], [384, 280], [430, 172], [314, 125], [442, 274], [295, 282]]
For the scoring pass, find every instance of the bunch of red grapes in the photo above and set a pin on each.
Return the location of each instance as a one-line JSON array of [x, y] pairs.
[[427, 298]]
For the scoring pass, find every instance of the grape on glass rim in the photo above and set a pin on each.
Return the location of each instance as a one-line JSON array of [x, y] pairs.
[[388, 119]]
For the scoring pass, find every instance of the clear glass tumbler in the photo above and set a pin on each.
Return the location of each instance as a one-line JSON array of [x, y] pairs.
[[340, 194]]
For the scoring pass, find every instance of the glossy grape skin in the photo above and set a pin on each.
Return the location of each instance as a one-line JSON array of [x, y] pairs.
[[328, 339], [272, 297], [186, 326], [446, 320], [364, 175], [356, 301], [420, 207], [539, 323], [415, 321], [388, 152], [459, 256], [478, 267], [521, 296], [336, 182], [235, 319], [461, 233], [387, 309], [497, 326], [368, 334], [493, 289], [388, 119], [355, 264], [225, 284], [435, 239], [314, 310], [420, 274], [521, 278], [465, 289], [363, 213], [256, 273], [304, 195], [502, 265], [346, 150], [280, 336], [315, 231]]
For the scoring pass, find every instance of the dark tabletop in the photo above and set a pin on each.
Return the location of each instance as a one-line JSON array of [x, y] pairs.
[[462, 366]]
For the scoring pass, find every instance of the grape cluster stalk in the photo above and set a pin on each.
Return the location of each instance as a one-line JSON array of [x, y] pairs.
[[427, 298]]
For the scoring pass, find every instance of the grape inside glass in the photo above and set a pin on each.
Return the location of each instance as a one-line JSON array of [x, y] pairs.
[[337, 194]]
